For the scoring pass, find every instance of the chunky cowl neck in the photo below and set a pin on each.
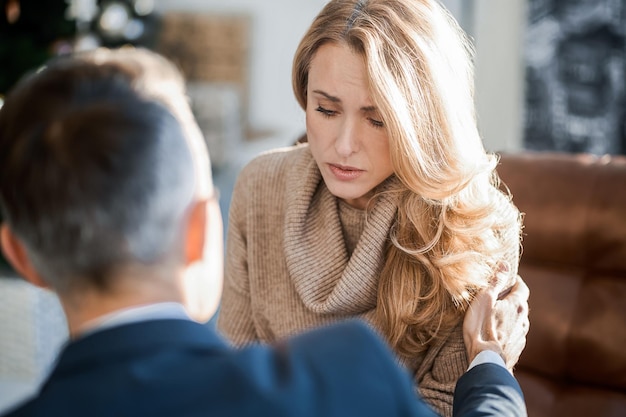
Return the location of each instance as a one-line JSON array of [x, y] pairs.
[[326, 277]]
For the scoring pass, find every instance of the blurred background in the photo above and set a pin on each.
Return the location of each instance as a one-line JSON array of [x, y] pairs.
[[550, 76]]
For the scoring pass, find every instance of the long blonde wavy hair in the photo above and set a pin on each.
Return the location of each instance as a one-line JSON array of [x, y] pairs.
[[454, 227]]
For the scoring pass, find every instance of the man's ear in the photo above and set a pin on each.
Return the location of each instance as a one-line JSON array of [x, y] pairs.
[[16, 254], [196, 232], [202, 281]]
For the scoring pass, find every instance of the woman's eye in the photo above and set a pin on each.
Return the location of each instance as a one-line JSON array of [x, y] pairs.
[[376, 123], [325, 112]]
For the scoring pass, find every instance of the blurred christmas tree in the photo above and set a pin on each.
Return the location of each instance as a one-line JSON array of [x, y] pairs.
[[31, 32]]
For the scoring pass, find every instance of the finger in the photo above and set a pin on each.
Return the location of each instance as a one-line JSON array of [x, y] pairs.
[[484, 302], [519, 288], [479, 315], [505, 292], [517, 297], [503, 282], [515, 347], [512, 330]]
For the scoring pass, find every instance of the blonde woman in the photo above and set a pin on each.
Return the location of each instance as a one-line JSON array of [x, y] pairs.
[[392, 210]]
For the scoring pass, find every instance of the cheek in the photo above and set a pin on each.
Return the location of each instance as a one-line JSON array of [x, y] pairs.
[[312, 122], [383, 156], [378, 146], [389, 166], [317, 131]]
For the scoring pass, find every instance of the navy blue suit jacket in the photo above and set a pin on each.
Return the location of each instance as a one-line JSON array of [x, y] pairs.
[[181, 368]]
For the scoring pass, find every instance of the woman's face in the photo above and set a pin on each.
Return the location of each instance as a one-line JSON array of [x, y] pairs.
[[345, 131]]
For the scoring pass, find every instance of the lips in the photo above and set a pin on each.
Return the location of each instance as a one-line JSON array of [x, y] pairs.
[[345, 173]]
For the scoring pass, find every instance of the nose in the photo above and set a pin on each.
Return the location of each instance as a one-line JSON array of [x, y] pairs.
[[347, 141]]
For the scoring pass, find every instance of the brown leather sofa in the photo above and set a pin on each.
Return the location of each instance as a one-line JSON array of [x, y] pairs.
[[574, 261]]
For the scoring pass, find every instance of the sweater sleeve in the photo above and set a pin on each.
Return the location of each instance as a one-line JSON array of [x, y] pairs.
[[235, 317], [443, 365]]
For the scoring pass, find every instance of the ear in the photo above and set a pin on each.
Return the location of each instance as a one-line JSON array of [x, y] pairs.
[[202, 280], [16, 254], [196, 232]]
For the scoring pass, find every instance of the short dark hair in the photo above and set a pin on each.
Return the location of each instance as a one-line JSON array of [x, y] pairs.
[[94, 174]]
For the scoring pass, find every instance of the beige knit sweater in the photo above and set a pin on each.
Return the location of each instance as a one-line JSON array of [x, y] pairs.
[[299, 258]]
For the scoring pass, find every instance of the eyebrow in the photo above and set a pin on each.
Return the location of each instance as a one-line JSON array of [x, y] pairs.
[[367, 109]]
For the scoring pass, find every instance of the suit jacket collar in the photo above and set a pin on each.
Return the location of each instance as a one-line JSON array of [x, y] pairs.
[[135, 339]]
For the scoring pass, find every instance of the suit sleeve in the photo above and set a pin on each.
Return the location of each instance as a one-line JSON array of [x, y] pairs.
[[488, 390], [235, 317]]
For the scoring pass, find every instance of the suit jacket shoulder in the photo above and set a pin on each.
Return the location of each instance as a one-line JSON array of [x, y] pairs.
[[352, 372], [167, 368]]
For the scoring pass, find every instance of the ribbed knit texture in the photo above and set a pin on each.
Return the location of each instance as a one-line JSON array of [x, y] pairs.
[[297, 260], [352, 224]]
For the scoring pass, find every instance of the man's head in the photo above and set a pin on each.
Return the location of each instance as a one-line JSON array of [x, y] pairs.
[[102, 168]]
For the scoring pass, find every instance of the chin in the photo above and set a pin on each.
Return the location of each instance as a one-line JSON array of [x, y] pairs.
[[357, 201]]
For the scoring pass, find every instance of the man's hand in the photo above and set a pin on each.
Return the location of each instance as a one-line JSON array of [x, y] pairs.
[[497, 320]]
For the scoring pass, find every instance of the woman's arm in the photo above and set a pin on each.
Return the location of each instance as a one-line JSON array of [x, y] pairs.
[[235, 315], [436, 377]]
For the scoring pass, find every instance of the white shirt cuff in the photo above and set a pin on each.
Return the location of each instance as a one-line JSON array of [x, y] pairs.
[[487, 356]]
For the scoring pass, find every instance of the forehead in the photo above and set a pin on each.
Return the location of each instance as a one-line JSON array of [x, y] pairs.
[[339, 71]]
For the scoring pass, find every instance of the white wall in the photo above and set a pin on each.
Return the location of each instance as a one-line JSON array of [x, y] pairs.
[[498, 30], [277, 27], [462, 10]]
